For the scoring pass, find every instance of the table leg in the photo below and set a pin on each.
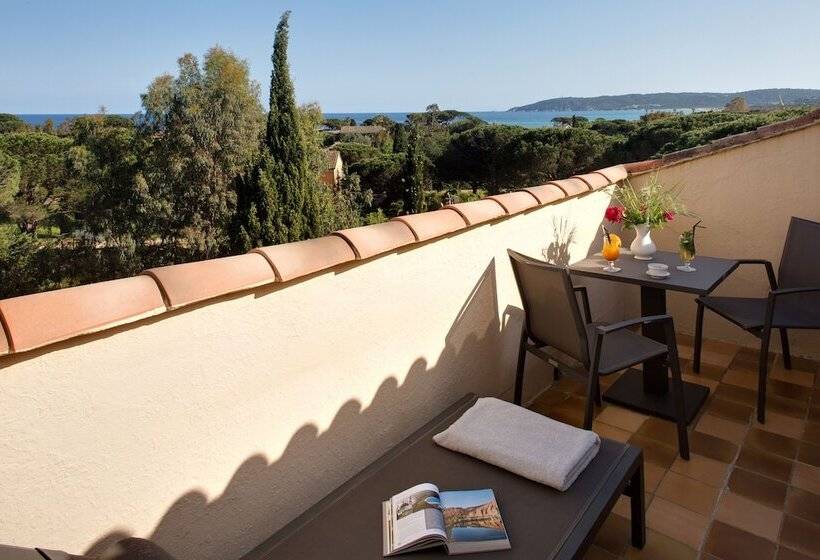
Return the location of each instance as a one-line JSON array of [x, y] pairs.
[[655, 379], [648, 391]]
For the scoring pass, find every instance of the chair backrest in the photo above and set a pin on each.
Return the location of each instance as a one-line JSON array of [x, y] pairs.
[[800, 265], [551, 311]]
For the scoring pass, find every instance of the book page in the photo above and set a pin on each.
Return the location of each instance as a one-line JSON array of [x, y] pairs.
[[416, 515], [471, 516]]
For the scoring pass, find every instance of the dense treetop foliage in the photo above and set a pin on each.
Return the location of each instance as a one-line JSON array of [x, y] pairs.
[[204, 170]]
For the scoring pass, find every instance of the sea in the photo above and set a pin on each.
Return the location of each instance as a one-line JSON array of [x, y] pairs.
[[529, 119]]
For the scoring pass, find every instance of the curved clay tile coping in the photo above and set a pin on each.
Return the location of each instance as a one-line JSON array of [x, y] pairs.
[[478, 211], [369, 241], [4, 343], [546, 193], [613, 174], [571, 186], [428, 225], [593, 180], [39, 319], [300, 258], [188, 283], [515, 202]]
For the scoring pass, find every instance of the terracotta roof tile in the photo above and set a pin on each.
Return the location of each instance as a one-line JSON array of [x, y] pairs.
[[571, 186], [479, 211], [369, 241], [593, 180], [613, 174], [546, 193], [39, 319], [4, 343], [301, 258], [428, 225], [515, 202], [188, 283]]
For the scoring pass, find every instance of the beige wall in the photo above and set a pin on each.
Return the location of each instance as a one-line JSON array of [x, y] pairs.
[[746, 196], [209, 428]]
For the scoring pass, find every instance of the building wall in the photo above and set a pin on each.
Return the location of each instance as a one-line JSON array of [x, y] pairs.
[[746, 196], [209, 428]]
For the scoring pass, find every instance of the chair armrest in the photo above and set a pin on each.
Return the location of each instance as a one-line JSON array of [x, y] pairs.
[[769, 270], [606, 329], [790, 291], [585, 300]]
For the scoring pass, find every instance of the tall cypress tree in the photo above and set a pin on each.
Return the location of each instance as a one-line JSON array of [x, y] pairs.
[[277, 202], [414, 174]]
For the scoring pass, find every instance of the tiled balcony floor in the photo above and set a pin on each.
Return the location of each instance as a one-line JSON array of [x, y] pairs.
[[749, 492]]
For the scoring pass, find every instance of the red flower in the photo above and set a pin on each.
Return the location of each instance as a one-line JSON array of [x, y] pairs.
[[668, 216], [614, 214]]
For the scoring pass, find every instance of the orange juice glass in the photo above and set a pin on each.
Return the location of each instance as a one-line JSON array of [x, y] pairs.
[[611, 252]]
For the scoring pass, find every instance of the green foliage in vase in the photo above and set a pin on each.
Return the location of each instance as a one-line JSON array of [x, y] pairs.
[[652, 204]]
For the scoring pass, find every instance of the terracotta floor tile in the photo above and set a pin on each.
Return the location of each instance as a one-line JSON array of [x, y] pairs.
[[814, 412], [701, 380], [801, 535], [772, 443], [687, 492], [655, 451], [597, 553], [623, 506], [622, 418], [729, 543], [614, 535], [610, 432], [712, 447], [788, 407], [661, 430], [811, 433], [784, 553], [737, 394], [804, 378], [789, 390], [749, 515], [783, 425], [571, 385], [761, 489], [809, 454], [685, 339], [730, 410], [713, 473], [741, 378], [747, 359], [652, 476], [707, 371], [806, 477], [803, 504], [660, 547], [677, 522], [764, 463], [722, 428]]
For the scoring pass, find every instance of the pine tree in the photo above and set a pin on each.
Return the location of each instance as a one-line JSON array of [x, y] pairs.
[[414, 174]]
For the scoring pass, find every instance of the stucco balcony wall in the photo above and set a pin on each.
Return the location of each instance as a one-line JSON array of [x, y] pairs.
[[208, 427]]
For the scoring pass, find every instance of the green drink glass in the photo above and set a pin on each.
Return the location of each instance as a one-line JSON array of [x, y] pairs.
[[686, 251]]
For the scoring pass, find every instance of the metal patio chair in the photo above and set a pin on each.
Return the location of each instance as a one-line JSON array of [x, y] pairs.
[[793, 301], [566, 340]]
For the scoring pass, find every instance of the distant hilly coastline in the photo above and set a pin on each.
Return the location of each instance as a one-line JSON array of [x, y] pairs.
[[668, 100]]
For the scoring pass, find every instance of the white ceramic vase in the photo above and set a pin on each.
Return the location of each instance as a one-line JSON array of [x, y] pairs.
[[642, 246]]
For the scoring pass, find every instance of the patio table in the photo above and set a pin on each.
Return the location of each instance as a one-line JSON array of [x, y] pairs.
[[648, 392]]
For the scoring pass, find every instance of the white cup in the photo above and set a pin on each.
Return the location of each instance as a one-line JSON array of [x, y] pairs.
[[657, 267]]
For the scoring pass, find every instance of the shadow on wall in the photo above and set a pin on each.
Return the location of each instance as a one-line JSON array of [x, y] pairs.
[[558, 251], [250, 508]]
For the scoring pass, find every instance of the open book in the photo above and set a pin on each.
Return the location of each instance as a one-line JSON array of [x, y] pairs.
[[423, 516]]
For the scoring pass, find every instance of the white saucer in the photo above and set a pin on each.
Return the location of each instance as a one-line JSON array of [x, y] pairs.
[[658, 273]]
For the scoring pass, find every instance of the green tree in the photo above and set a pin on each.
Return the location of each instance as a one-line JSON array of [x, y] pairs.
[[414, 175], [278, 191], [207, 124], [737, 105], [399, 138], [12, 123]]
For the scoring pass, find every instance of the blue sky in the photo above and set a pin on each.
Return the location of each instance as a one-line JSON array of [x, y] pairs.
[[365, 55]]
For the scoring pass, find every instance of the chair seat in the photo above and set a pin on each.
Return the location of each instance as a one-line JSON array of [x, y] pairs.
[[622, 349], [750, 313]]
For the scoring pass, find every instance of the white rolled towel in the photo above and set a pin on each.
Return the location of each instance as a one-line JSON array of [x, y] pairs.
[[521, 441]]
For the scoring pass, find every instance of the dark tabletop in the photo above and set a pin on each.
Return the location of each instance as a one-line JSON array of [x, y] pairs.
[[710, 271]]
